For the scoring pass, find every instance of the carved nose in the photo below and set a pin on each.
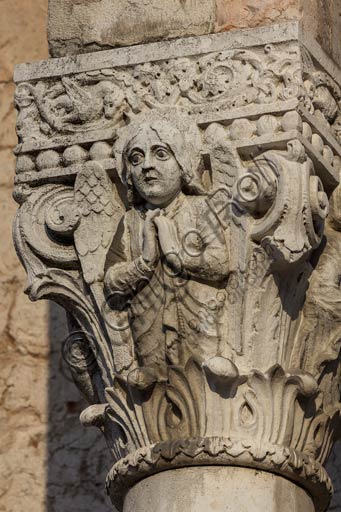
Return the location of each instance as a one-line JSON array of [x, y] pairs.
[[147, 165], [148, 162], [147, 168]]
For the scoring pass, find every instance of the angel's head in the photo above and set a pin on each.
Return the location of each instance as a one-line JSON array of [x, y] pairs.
[[158, 157]]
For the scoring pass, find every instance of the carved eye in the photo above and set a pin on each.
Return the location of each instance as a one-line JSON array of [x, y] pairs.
[[162, 153], [136, 158]]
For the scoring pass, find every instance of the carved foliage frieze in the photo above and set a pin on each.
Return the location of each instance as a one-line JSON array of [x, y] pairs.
[[213, 82]]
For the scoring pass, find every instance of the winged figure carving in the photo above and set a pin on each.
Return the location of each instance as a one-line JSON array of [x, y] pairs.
[[99, 217]]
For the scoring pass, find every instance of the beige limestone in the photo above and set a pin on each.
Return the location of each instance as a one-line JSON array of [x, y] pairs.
[[46, 464], [216, 489], [78, 26], [24, 344], [233, 394], [237, 14], [34, 428], [71, 31]]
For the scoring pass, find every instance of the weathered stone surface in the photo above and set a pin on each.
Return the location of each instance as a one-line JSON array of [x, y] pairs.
[[23, 380], [334, 469], [30, 424], [192, 181], [38, 404], [324, 22], [78, 27], [218, 488], [238, 14], [76, 464]]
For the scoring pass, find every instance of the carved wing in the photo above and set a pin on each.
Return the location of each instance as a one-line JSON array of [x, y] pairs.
[[224, 158], [99, 217]]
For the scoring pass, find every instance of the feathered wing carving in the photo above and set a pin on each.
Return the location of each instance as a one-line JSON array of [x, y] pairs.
[[226, 167], [99, 217], [224, 158]]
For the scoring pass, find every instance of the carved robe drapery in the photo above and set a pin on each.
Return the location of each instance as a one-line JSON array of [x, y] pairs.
[[174, 312]]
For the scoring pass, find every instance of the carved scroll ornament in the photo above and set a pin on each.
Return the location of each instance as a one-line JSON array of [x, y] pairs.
[[197, 262]]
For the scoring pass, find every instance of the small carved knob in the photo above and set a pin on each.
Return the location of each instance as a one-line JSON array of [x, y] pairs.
[[62, 217]]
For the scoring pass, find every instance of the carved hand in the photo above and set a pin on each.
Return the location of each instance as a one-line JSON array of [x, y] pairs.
[[168, 240], [150, 250]]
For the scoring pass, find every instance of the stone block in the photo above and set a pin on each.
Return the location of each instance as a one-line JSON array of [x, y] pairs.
[[84, 26]]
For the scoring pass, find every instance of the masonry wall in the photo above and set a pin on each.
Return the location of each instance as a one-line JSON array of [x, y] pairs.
[[89, 25], [48, 462]]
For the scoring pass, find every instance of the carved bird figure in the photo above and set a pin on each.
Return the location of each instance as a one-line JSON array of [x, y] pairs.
[[86, 106]]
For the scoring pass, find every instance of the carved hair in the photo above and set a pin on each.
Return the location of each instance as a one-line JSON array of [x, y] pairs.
[[183, 140]]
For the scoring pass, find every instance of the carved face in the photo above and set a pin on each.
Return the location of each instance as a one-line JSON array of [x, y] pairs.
[[109, 107], [155, 173]]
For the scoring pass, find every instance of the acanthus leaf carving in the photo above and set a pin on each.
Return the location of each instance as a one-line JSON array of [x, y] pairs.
[[293, 201], [178, 209]]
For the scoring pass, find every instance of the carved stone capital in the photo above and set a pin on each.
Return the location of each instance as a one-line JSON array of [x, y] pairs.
[[181, 200]]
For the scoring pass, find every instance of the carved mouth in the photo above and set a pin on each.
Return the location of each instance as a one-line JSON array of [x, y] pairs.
[[149, 179]]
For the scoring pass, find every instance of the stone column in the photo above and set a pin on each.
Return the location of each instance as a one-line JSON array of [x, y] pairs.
[[181, 200]]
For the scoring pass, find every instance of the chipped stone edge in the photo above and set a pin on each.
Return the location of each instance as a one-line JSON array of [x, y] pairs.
[[182, 47], [319, 55]]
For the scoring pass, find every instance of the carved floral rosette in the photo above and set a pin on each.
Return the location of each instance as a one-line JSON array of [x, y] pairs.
[[267, 113]]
